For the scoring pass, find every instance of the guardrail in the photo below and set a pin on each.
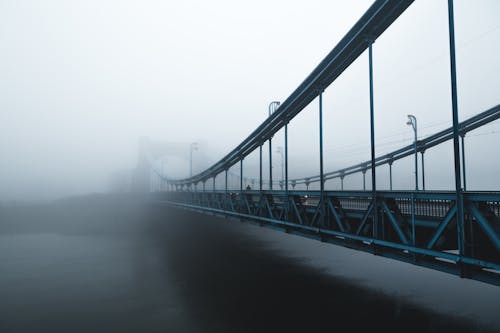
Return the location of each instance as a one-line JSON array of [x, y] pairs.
[[413, 226]]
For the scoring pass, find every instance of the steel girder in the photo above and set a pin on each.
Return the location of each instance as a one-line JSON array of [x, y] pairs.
[[417, 227]]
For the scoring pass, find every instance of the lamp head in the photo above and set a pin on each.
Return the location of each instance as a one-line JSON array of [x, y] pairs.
[[411, 120]]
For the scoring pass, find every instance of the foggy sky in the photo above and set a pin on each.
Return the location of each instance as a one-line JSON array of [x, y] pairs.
[[82, 81]]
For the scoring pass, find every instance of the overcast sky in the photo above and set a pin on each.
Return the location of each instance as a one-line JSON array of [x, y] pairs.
[[82, 81]]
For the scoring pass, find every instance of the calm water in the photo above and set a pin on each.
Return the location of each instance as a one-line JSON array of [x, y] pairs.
[[114, 264]]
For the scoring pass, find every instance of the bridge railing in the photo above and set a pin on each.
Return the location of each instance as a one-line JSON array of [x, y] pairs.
[[414, 226]]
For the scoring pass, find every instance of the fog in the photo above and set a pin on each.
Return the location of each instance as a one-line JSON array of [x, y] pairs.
[[83, 81]]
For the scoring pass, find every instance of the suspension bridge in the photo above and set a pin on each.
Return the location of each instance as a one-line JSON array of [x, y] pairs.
[[452, 231]]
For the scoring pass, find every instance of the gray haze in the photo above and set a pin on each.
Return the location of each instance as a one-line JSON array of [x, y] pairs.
[[82, 81]]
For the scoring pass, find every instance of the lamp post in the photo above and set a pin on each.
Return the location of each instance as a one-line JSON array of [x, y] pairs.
[[412, 121], [192, 147], [279, 150], [273, 106]]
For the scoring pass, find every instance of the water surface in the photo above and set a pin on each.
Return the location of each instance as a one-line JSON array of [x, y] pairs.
[[119, 264]]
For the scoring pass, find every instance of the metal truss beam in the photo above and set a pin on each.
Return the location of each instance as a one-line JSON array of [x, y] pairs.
[[419, 228]]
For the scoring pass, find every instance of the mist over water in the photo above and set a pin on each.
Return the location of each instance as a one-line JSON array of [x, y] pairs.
[[116, 263]]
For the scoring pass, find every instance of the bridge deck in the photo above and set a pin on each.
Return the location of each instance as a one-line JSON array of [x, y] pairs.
[[413, 226]]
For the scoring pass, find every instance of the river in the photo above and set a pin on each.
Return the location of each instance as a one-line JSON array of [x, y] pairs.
[[107, 263]]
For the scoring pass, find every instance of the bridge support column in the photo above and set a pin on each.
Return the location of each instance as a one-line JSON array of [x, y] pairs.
[[423, 170], [321, 175], [286, 173], [364, 179], [462, 136], [241, 175], [225, 190], [372, 139], [456, 150], [390, 175], [270, 165], [260, 167]]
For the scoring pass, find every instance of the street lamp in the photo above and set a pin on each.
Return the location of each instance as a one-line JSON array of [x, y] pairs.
[[273, 106], [192, 147], [279, 150], [412, 121]]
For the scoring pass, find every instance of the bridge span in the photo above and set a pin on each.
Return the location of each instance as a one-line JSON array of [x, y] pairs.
[[413, 226], [453, 231]]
